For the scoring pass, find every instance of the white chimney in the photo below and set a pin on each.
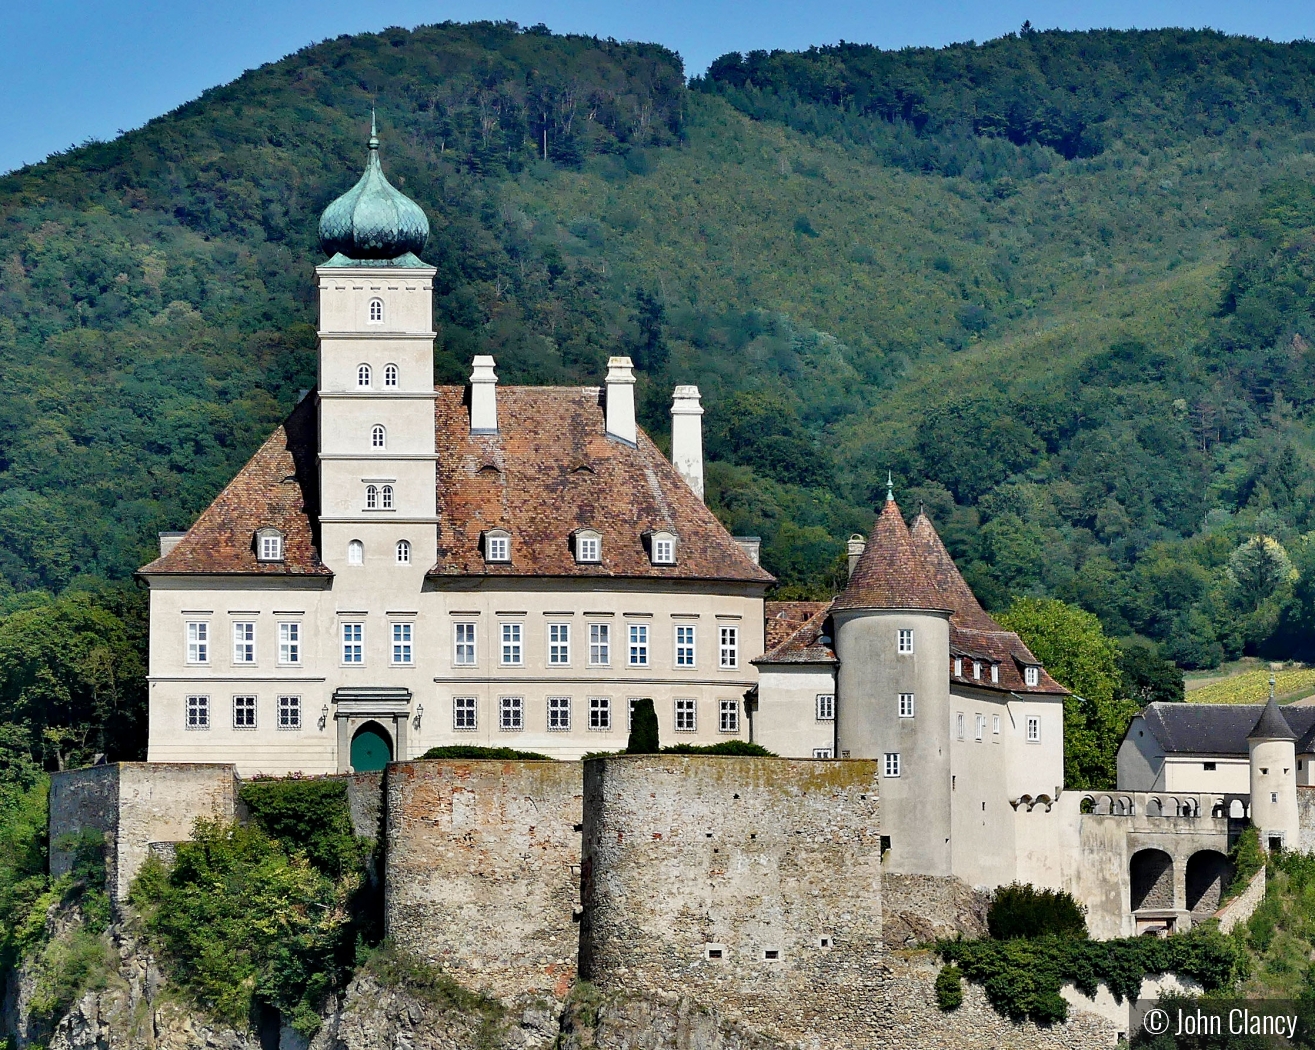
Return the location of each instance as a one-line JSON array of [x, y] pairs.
[[169, 540], [751, 545], [483, 396], [687, 436], [857, 544], [621, 400]]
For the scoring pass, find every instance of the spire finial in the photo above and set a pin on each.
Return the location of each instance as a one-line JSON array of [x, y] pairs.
[[374, 131], [1271, 685], [890, 487]]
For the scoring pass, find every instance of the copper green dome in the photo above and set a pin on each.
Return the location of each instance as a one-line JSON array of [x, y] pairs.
[[373, 220]]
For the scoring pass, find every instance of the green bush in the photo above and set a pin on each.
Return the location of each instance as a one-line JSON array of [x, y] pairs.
[[1022, 910], [643, 729], [949, 988], [311, 815], [726, 747], [476, 751], [1247, 858]]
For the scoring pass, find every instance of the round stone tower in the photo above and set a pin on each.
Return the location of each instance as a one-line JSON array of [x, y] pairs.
[[1272, 747]]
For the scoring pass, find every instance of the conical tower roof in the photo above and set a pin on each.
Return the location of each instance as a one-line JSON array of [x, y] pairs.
[[373, 220], [889, 573], [967, 612], [1271, 725]]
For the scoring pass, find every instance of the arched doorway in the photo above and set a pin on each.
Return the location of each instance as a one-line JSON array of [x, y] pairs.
[[1207, 871], [1151, 876], [372, 748]]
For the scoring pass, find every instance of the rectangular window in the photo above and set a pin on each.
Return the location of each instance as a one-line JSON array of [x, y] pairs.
[[906, 705], [198, 642], [686, 720], [1033, 730], [559, 713], [600, 712], [1210, 767], [289, 712], [512, 655], [512, 712], [559, 643], [463, 640], [1273, 796], [289, 643], [995, 725], [639, 645], [463, 712], [1032, 675], [958, 725], [600, 644], [728, 657], [892, 765], [981, 727], [977, 669], [995, 673], [244, 643], [353, 643], [822, 752], [684, 646], [826, 707], [905, 643], [499, 548], [402, 643], [958, 667], [664, 551], [198, 712], [587, 548], [730, 716], [244, 712]]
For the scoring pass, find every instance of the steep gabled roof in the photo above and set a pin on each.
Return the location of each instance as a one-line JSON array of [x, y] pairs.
[[805, 644], [889, 573], [278, 488], [550, 470], [1221, 729]]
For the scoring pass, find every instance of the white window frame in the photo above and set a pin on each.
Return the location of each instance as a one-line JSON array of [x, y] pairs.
[[995, 674], [269, 546], [465, 644], [196, 711], [588, 548], [600, 713], [686, 646], [1033, 729], [240, 705], [559, 714], [559, 645], [288, 713], [728, 716], [960, 726], [371, 497], [385, 497], [390, 375], [351, 637], [1032, 676], [290, 643], [977, 670], [686, 714], [663, 548], [728, 652], [402, 552], [376, 310], [823, 752], [403, 643], [511, 647], [825, 707], [958, 667], [497, 547], [465, 714], [907, 705], [244, 642], [600, 645], [904, 641], [378, 436], [979, 728], [637, 645], [891, 766], [511, 714], [363, 377], [196, 634], [995, 725], [355, 553]]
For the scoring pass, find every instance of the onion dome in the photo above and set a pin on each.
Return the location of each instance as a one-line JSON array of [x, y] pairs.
[[373, 220]]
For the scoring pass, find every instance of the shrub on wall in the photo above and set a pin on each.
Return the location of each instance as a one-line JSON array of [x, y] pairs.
[[311, 815], [726, 747], [949, 988], [477, 751], [1022, 910], [1247, 858], [643, 729]]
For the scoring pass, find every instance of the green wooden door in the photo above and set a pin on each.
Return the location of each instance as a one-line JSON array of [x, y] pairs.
[[371, 749]]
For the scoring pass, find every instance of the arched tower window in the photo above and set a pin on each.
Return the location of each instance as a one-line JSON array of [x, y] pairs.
[[372, 496], [378, 437], [386, 497], [356, 553], [376, 310], [390, 375], [403, 552], [362, 375]]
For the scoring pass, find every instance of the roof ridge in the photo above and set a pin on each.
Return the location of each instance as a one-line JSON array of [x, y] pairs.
[[889, 573]]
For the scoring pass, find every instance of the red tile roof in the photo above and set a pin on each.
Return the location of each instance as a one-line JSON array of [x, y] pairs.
[[278, 487], [784, 618], [889, 573], [804, 644]]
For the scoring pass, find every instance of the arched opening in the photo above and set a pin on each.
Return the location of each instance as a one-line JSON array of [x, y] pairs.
[[1207, 872], [1236, 810], [372, 748], [1151, 874], [1154, 808]]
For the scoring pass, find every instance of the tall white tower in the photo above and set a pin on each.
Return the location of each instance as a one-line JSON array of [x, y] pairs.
[[1272, 747]]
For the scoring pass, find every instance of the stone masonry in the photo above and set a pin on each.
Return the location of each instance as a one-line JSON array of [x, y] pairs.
[[482, 871]]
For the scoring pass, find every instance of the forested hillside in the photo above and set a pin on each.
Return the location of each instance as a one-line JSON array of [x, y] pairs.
[[1061, 284]]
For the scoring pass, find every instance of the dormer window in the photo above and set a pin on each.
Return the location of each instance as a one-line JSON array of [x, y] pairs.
[[269, 545], [390, 375], [588, 546], [378, 436], [1032, 675], [995, 673], [497, 546], [662, 548], [977, 669], [376, 310], [363, 376]]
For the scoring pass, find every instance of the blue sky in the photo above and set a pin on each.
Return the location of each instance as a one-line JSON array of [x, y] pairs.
[[77, 69]]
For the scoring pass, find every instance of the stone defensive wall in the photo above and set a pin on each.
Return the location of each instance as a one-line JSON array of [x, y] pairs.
[[752, 885], [483, 870], [134, 806]]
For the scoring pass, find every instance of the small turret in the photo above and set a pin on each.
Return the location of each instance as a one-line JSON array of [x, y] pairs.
[[1272, 747]]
